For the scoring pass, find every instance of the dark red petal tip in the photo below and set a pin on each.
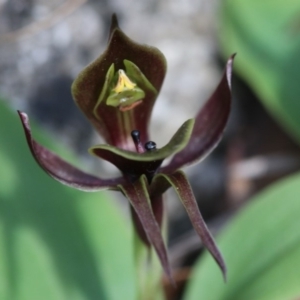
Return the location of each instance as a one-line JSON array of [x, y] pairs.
[[209, 125], [114, 24], [137, 194], [185, 194], [62, 171]]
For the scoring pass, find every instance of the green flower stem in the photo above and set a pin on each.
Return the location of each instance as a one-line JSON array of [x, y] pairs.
[[148, 270]]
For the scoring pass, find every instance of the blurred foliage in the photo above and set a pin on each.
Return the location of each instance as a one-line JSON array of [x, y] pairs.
[[261, 247], [55, 242], [266, 36]]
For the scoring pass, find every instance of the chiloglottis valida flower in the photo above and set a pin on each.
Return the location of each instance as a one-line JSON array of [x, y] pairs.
[[117, 93]]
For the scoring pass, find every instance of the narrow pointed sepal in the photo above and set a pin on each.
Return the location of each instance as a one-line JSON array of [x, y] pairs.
[[158, 211], [184, 191], [137, 194], [62, 171], [209, 125]]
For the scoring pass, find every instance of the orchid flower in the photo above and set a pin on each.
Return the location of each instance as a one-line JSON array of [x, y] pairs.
[[117, 93]]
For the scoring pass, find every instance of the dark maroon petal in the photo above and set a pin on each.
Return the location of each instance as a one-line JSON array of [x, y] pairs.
[[139, 227], [133, 164], [209, 126], [157, 208], [137, 194], [185, 193], [159, 185], [87, 88], [130, 168], [63, 171]]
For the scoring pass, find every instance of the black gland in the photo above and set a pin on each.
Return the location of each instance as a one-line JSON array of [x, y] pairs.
[[150, 146], [135, 134]]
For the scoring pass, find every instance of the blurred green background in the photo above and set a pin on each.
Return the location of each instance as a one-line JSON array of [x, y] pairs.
[[55, 242], [261, 247], [262, 243], [266, 36]]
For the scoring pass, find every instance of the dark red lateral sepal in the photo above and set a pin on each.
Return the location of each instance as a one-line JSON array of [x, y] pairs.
[[61, 170], [209, 125], [138, 196], [184, 191]]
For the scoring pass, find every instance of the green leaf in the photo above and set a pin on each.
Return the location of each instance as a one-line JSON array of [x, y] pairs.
[[55, 242], [265, 34], [261, 247]]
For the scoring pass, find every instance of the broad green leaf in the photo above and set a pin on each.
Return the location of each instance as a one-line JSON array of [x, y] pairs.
[[56, 243], [266, 36], [261, 247]]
